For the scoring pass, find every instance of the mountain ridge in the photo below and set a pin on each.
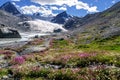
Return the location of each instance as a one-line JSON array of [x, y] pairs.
[[98, 25], [10, 8]]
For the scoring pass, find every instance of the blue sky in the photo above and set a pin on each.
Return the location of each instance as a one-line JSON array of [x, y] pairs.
[[53, 7]]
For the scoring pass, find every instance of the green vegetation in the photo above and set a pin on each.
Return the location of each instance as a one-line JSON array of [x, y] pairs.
[[109, 44], [3, 72], [67, 59], [99, 72]]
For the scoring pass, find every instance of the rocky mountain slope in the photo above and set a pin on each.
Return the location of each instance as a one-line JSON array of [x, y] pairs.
[[99, 25], [8, 19]]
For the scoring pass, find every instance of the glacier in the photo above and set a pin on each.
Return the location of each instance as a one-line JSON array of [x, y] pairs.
[[43, 26]]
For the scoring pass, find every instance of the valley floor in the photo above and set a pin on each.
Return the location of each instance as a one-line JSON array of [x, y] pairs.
[[60, 58]]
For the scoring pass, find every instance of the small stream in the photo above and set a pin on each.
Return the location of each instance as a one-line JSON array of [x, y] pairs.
[[25, 37]]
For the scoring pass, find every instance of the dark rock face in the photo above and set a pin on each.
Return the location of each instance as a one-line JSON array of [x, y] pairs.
[[69, 25], [61, 18], [57, 30], [9, 33], [10, 8]]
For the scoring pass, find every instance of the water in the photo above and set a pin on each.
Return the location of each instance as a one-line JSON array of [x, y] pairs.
[[25, 37]]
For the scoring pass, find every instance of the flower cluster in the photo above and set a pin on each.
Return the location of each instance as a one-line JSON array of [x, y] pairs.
[[18, 60], [84, 55]]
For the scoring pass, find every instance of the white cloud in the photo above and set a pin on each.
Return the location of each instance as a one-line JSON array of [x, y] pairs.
[[15, 5], [30, 9], [34, 9], [56, 5], [56, 2], [78, 4], [85, 6], [16, 0], [54, 8], [113, 1], [63, 8]]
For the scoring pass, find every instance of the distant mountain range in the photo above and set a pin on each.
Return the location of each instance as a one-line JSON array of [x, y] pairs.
[[102, 24], [11, 17], [11, 8]]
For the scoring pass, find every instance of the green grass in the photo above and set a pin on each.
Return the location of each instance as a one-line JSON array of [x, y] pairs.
[[3, 72], [110, 44], [60, 43]]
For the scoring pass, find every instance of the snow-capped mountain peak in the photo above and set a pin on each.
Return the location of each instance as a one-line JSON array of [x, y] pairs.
[[61, 18]]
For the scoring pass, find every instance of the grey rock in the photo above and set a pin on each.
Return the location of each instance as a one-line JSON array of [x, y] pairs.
[[9, 33]]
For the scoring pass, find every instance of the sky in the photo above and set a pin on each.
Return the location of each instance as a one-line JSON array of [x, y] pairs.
[[53, 7]]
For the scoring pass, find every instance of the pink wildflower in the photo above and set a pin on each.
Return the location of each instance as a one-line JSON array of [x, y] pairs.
[[19, 60]]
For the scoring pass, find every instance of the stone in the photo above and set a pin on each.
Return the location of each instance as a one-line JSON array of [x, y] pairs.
[[9, 33]]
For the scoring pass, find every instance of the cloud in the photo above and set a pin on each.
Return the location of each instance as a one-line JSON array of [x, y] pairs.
[[85, 6], [63, 8], [35, 9], [113, 1], [47, 6], [15, 0], [55, 2], [54, 8], [78, 4], [15, 5]]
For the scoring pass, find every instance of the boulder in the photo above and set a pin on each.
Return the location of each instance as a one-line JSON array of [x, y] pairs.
[[57, 30], [9, 33]]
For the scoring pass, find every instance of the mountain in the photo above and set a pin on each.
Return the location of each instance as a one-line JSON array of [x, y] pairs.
[[77, 22], [10, 8], [23, 22], [61, 18], [99, 25], [8, 19]]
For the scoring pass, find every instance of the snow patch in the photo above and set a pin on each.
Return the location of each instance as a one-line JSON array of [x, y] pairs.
[[5, 30]]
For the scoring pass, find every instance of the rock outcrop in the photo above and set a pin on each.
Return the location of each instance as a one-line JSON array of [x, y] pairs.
[[9, 33]]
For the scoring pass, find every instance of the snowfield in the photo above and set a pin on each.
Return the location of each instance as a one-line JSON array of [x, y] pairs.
[[43, 26]]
